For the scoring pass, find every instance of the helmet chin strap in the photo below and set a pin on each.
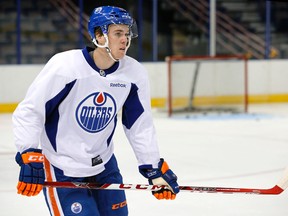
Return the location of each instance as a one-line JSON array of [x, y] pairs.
[[128, 44], [106, 47], [110, 54]]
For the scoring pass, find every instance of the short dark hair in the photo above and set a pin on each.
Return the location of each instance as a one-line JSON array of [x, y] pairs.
[[98, 31]]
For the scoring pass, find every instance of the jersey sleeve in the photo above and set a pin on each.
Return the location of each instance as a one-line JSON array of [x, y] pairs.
[[138, 123], [29, 117]]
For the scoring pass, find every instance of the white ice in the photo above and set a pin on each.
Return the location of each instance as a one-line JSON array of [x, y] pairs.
[[248, 151]]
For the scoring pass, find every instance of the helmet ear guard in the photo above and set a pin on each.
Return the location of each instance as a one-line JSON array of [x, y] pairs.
[[98, 45]]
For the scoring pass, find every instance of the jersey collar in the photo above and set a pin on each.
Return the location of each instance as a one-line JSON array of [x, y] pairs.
[[90, 61]]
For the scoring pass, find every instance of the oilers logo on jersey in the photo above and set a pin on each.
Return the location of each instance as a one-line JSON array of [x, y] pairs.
[[76, 208], [96, 111]]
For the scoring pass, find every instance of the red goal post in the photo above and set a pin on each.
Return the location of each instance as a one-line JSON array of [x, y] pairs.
[[190, 78]]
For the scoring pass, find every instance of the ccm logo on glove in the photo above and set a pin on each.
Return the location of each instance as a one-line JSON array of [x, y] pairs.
[[32, 157]]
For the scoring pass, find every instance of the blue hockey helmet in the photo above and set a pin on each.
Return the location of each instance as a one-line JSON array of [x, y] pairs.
[[104, 16]]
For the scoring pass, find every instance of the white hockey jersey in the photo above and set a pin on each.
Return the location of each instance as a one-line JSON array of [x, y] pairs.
[[71, 111]]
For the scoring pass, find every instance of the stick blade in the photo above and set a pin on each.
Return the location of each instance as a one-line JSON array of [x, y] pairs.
[[283, 182]]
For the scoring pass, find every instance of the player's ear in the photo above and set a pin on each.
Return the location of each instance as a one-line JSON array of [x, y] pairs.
[[100, 39]]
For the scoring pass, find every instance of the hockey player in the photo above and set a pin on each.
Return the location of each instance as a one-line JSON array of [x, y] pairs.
[[64, 127]]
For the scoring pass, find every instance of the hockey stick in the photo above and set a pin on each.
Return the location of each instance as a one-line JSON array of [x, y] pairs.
[[277, 189]]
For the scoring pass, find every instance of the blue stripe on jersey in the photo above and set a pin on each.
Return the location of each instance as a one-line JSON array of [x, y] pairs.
[[132, 108], [110, 137], [52, 113]]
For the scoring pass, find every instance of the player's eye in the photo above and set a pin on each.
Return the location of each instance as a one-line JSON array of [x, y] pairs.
[[118, 34], [121, 34]]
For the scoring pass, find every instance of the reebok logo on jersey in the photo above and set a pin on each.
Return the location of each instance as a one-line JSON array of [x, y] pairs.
[[121, 85], [96, 111]]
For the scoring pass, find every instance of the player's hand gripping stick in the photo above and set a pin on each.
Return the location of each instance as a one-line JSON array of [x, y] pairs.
[[31, 178], [161, 176]]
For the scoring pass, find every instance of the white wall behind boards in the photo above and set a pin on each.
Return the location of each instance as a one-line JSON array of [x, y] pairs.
[[15, 80], [266, 78]]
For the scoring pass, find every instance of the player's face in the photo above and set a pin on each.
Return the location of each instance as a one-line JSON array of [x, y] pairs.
[[118, 36]]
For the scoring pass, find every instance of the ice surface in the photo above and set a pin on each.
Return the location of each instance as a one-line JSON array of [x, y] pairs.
[[225, 150]]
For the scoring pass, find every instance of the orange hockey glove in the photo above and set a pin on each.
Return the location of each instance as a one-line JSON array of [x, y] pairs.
[[31, 178], [161, 176]]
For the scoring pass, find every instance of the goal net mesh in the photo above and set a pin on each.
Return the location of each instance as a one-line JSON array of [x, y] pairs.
[[207, 84]]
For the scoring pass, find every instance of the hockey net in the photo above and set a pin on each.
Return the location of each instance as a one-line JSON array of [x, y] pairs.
[[207, 84]]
